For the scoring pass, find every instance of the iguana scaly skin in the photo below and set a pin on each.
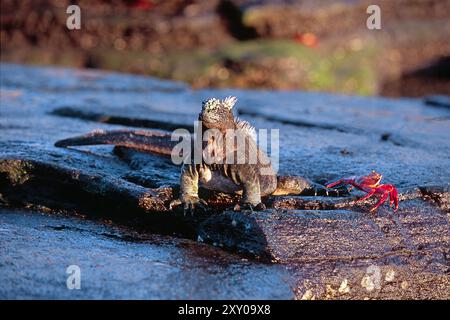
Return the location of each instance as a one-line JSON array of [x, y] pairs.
[[253, 179], [233, 169]]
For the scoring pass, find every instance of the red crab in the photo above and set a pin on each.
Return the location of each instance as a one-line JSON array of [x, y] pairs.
[[371, 185]]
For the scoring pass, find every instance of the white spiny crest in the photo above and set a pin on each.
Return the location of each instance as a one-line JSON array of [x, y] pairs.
[[213, 103], [246, 127], [229, 102], [210, 104]]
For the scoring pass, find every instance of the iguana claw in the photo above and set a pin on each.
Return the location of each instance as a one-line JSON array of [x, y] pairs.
[[247, 206], [189, 204]]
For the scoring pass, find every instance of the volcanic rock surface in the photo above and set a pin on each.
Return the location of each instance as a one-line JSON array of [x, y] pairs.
[[105, 208]]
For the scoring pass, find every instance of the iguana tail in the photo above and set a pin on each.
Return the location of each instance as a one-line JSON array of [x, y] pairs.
[[148, 140], [160, 142], [295, 185]]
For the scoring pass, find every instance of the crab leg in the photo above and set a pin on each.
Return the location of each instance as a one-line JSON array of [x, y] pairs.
[[368, 195], [340, 181], [393, 198], [381, 201]]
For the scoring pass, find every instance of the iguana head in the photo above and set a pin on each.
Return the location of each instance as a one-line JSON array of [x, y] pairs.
[[218, 113]]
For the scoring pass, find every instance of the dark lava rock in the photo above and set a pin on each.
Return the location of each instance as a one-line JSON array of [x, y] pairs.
[[322, 247], [115, 263]]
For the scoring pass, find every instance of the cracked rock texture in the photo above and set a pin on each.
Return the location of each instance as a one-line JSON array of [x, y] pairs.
[[105, 208]]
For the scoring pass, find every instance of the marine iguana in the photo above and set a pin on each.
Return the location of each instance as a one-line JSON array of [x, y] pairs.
[[252, 179]]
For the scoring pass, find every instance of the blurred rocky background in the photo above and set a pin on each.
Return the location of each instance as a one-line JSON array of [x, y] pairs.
[[299, 44]]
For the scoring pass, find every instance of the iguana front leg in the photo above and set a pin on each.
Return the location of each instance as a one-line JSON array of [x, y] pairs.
[[251, 195], [188, 189]]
